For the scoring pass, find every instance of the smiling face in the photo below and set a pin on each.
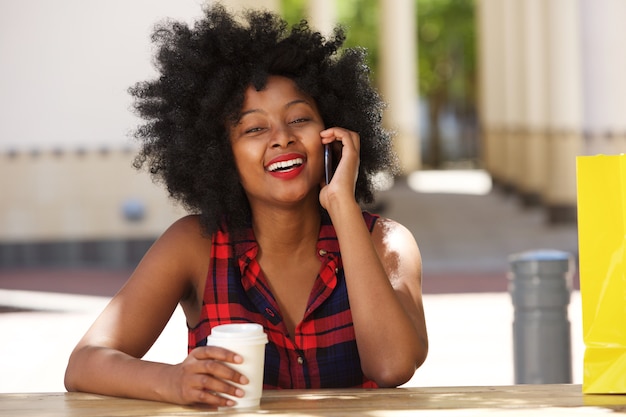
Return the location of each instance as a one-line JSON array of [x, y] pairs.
[[277, 145]]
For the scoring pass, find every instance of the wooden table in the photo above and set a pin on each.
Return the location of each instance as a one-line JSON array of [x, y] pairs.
[[517, 400]]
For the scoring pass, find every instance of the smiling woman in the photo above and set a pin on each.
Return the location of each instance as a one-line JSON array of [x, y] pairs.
[[238, 135], [279, 130]]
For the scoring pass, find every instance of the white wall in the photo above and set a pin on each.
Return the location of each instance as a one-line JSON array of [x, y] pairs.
[[78, 196], [66, 65]]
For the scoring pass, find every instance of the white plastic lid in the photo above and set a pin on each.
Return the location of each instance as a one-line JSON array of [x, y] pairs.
[[249, 332]]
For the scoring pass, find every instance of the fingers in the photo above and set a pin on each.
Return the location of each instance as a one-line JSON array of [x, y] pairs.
[[209, 390], [348, 156], [212, 360], [345, 136], [216, 353], [205, 377]]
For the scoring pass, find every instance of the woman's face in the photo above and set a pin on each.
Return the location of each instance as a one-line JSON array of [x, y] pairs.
[[277, 145]]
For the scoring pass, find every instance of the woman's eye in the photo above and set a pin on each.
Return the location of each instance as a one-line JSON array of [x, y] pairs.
[[253, 130], [299, 120]]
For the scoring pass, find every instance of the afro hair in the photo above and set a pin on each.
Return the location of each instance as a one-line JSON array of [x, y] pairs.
[[204, 72]]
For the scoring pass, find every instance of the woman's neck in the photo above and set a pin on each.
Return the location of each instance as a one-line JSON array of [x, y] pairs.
[[287, 232]]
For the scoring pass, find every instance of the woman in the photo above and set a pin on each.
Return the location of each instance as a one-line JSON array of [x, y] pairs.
[[236, 127]]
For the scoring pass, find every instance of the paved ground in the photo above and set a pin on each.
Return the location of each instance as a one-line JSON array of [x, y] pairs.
[[465, 242]]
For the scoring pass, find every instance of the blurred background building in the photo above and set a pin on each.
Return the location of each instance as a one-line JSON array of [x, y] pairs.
[[515, 88], [550, 89]]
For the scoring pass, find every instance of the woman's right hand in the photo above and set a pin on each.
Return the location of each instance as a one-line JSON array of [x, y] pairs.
[[342, 186], [204, 375]]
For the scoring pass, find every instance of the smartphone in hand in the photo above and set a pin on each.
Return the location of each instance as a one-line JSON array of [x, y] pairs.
[[328, 163]]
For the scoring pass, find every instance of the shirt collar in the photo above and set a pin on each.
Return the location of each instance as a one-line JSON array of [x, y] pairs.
[[246, 248]]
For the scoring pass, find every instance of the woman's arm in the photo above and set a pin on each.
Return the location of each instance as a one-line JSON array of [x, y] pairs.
[[383, 276], [107, 359]]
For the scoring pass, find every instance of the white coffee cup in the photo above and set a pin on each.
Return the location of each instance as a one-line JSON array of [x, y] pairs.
[[247, 340]]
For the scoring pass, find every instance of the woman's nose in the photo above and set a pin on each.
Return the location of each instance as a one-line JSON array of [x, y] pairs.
[[281, 137]]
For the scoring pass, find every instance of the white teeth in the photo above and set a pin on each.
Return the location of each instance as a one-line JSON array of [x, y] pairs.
[[283, 165]]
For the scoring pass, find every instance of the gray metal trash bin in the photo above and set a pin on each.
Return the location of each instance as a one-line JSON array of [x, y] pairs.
[[540, 284]]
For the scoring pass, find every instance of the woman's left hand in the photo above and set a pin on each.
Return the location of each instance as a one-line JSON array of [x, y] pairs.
[[343, 183]]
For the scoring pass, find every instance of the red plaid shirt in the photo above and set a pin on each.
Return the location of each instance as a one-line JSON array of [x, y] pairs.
[[323, 351]]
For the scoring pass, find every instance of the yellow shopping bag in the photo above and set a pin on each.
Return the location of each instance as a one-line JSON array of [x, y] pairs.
[[601, 182]]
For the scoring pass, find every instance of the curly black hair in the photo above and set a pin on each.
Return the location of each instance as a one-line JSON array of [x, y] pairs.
[[203, 74]]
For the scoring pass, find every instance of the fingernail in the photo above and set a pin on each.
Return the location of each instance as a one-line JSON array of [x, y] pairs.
[[243, 380], [230, 403], [238, 359], [240, 392]]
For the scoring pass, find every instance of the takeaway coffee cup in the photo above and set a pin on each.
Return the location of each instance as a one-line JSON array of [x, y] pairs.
[[248, 340]]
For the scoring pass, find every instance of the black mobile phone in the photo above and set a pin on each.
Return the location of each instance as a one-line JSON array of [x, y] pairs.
[[328, 163]]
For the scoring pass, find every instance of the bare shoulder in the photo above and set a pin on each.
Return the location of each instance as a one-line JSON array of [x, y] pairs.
[[188, 226], [185, 237], [390, 235], [398, 250], [181, 253], [185, 240]]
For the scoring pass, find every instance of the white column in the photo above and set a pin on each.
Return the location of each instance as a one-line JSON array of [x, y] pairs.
[[564, 107], [398, 49], [604, 75], [322, 15], [513, 89], [533, 155], [491, 86]]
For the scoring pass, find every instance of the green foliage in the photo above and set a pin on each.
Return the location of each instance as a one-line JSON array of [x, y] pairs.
[[446, 41], [293, 11], [358, 17], [446, 48]]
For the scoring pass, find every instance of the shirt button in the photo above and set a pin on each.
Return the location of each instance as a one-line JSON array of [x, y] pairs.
[[300, 360], [322, 252]]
